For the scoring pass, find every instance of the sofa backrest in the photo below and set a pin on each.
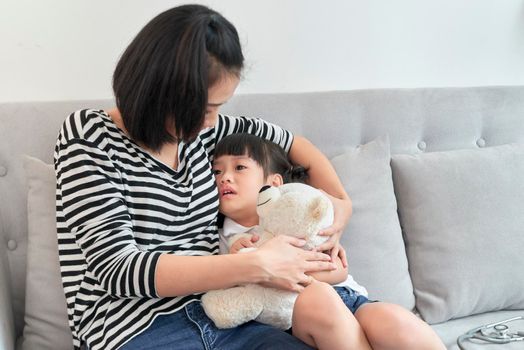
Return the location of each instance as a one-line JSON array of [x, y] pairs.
[[417, 120], [25, 128]]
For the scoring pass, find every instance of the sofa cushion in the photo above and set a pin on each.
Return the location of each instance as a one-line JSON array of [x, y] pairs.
[[373, 238], [462, 214], [46, 325], [449, 331]]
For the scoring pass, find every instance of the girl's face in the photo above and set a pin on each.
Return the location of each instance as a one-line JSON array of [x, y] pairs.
[[239, 178], [217, 95]]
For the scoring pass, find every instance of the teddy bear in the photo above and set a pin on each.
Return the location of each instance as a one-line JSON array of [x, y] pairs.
[[293, 209]]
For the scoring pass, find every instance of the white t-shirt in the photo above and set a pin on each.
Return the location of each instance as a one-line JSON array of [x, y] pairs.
[[232, 228]]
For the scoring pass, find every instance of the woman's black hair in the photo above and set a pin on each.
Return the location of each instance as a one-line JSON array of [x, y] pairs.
[[270, 156], [162, 78]]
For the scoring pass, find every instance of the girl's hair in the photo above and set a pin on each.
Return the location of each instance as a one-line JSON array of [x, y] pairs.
[[162, 78], [270, 156]]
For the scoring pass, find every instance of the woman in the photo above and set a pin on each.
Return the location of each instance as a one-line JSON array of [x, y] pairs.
[[137, 201]]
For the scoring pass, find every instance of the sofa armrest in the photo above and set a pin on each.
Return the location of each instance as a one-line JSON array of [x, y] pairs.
[[7, 325]]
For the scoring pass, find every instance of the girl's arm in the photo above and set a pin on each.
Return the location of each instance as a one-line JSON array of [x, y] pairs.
[[322, 175], [335, 276], [332, 277]]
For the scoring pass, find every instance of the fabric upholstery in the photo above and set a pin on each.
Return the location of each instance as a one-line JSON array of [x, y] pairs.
[[45, 318], [373, 238], [462, 216], [417, 120], [450, 330], [25, 128], [7, 325]]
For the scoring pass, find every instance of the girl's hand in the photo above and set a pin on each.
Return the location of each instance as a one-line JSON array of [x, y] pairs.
[[342, 212], [336, 276], [284, 263], [244, 242], [341, 253]]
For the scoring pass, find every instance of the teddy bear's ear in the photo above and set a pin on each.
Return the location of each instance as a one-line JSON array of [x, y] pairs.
[[267, 197], [318, 208]]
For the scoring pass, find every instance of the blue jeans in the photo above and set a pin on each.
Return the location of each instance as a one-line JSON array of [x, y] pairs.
[[352, 299], [190, 328]]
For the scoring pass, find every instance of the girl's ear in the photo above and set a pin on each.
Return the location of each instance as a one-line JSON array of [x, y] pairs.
[[275, 180]]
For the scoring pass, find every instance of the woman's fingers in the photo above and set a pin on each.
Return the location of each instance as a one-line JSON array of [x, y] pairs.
[[334, 252], [297, 288], [329, 244], [315, 266], [316, 256], [297, 242], [342, 255], [287, 264], [335, 228], [307, 280]]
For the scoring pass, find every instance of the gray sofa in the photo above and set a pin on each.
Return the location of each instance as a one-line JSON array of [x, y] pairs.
[[435, 175]]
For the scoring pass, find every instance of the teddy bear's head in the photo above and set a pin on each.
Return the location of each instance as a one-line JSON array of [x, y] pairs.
[[295, 209]]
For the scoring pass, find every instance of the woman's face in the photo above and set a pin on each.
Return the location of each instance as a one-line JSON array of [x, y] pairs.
[[217, 95]]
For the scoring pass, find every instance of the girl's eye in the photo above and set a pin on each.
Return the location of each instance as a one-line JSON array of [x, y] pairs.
[[216, 172], [240, 167]]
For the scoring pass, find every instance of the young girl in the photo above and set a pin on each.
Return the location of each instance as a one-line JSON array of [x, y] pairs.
[[242, 165]]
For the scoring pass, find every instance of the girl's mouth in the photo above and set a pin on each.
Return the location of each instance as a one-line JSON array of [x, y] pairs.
[[227, 192]]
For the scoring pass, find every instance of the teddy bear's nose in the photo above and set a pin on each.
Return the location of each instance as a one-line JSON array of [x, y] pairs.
[[264, 188]]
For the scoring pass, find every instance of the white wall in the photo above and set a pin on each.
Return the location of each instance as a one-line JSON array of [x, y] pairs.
[[67, 49]]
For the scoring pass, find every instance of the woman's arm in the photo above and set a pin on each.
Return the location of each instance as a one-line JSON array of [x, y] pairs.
[[322, 175], [278, 263], [321, 172]]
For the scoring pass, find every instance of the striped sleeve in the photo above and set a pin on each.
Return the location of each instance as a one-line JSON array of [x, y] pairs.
[[229, 125], [95, 212]]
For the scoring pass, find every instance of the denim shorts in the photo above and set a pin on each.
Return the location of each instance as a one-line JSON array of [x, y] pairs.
[[190, 328], [352, 299]]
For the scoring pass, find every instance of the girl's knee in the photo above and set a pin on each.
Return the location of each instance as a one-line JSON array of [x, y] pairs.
[[315, 297], [320, 317], [318, 305], [397, 326]]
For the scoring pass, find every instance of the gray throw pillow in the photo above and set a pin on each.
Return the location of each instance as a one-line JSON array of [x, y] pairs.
[[462, 213], [46, 325], [373, 238]]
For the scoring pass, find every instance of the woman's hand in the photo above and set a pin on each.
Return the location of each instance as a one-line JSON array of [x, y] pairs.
[[342, 210], [244, 242], [285, 264]]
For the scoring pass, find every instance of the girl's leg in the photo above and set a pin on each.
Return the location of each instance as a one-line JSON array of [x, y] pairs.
[[321, 320], [390, 326]]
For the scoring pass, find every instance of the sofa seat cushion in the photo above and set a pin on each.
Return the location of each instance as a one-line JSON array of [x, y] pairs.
[[462, 214]]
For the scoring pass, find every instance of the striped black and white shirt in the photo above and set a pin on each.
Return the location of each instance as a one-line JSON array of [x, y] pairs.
[[118, 209]]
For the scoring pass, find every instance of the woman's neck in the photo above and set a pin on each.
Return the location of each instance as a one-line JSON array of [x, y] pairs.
[[168, 153]]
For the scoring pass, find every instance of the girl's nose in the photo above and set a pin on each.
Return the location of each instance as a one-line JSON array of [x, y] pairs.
[[225, 177]]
